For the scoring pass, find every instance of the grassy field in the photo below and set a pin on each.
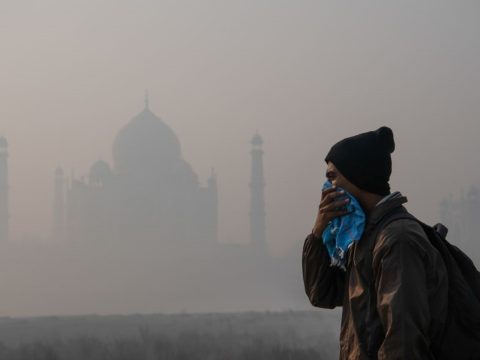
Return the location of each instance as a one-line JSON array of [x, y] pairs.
[[249, 335]]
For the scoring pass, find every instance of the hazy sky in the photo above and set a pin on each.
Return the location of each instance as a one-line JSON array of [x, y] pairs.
[[304, 73]]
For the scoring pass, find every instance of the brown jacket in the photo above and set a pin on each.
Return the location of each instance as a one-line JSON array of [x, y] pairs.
[[394, 292]]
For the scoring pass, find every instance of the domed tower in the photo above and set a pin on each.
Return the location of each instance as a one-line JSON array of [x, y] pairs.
[[257, 200], [146, 145], [3, 190]]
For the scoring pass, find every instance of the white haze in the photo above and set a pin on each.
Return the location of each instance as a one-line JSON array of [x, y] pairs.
[[305, 74]]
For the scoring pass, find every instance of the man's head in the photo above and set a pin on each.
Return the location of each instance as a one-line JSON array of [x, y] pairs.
[[362, 163]]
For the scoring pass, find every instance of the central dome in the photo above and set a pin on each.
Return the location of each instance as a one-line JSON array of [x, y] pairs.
[[146, 143]]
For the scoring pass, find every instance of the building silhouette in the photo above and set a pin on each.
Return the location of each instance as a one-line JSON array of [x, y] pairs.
[[59, 205], [462, 218], [4, 209], [257, 199], [150, 194]]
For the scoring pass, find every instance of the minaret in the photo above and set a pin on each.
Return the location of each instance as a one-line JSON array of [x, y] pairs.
[[3, 190], [59, 205], [257, 201]]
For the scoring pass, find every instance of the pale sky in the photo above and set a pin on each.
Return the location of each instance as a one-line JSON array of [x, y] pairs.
[[305, 74]]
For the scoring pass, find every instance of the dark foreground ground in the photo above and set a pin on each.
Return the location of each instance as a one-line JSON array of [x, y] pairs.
[[251, 335]]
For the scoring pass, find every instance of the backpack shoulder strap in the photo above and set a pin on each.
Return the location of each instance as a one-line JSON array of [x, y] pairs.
[[399, 213]]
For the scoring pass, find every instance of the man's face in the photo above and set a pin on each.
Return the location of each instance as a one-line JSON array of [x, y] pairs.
[[338, 180]]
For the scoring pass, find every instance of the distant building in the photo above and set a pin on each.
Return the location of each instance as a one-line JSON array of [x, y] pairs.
[[4, 209], [59, 205], [462, 217], [149, 194], [257, 198]]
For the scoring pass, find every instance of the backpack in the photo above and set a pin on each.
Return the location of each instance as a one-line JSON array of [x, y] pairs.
[[461, 335]]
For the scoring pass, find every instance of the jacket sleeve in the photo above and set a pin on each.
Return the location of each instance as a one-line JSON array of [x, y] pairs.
[[401, 288], [324, 284]]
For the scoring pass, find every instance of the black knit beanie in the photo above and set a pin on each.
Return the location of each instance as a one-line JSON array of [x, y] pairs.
[[365, 159]]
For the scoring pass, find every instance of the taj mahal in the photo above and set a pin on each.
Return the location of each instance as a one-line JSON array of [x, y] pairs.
[[148, 190], [150, 194]]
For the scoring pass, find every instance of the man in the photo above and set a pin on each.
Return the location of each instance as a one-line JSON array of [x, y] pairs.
[[394, 289]]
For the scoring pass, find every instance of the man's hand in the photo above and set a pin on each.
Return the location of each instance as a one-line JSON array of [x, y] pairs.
[[330, 207]]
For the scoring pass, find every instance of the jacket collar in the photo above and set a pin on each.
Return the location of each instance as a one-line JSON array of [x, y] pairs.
[[384, 207]]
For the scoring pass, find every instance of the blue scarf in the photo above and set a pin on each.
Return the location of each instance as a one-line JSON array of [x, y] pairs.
[[343, 231]]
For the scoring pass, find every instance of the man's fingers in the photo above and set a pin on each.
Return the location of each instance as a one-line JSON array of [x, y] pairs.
[[335, 206], [334, 214], [328, 191], [331, 196]]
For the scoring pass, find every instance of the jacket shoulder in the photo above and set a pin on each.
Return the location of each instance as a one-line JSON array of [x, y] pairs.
[[405, 231]]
